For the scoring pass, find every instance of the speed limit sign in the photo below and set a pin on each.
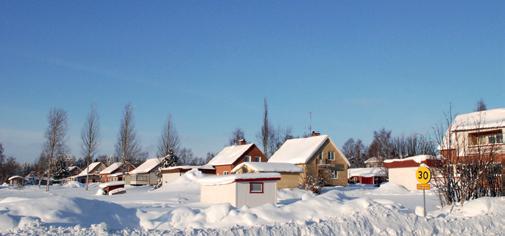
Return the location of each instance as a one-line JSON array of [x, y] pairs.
[[423, 175]]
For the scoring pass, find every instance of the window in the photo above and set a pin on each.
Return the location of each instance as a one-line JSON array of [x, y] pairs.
[[257, 159], [247, 158], [331, 156], [256, 187], [321, 156], [225, 172], [334, 174], [483, 138]]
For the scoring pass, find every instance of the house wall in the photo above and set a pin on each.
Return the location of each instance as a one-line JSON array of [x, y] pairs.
[[244, 197], [404, 176], [215, 194], [170, 177], [313, 167], [288, 179], [142, 179]]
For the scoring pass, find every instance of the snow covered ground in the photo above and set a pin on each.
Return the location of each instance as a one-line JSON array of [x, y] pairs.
[[175, 210]]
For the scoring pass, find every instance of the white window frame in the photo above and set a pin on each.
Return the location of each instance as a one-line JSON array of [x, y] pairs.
[[331, 156], [225, 172], [334, 174], [247, 158]]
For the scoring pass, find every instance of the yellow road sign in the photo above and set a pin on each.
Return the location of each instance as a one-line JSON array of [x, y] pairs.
[[423, 175], [423, 187]]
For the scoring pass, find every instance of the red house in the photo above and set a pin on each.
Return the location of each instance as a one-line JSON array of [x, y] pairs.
[[232, 156]]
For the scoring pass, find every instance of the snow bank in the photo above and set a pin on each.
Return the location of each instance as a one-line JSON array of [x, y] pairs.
[[65, 211], [391, 188], [73, 184], [481, 206]]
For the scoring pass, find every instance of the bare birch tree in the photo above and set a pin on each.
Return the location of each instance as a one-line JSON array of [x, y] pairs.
[[169, 141], [469, 167], [89, 137], [127, 147], [236, 136], [55, 138], [265, 129]]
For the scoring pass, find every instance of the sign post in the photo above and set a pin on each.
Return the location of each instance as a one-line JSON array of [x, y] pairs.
[[423, 176]]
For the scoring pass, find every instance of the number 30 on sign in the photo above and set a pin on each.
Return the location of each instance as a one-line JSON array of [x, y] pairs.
[[423, 175]]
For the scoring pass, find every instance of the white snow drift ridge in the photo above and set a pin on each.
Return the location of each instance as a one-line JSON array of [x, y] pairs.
[[64, 212]]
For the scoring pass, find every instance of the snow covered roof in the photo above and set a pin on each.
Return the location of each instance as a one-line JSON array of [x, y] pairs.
[[366, 172], [112, 183], [269, 167], [417, 159], [110, 169], [147, 166], [206, 167], [226, 179], [92, 167], [229, 154], [15, 177], [300, 150], [372, 160], [72, 168], [492, 118]]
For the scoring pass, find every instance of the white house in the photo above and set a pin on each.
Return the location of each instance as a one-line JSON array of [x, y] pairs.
[[403, 171], [240, 190]]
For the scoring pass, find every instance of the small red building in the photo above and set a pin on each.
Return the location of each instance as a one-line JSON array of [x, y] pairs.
[[232, 156], [375, 175]]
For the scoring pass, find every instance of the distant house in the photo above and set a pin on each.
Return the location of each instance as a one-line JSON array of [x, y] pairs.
[[403, 171], [17, 181], [93, 176], [232, 156], [170, 174], [114, 172], [374, 175], [145, 174], [373, 162], [74, 170], [476, 133], [290, 173], [240, 190], [317, 155]]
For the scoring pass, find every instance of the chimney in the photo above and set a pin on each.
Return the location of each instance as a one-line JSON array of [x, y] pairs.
[[241, 141], [315, 133]]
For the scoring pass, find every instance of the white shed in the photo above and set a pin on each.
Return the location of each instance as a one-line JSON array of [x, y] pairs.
[[239, 190], [403, 171]]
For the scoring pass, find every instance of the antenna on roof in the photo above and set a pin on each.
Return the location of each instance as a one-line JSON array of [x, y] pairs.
[[310, 122]]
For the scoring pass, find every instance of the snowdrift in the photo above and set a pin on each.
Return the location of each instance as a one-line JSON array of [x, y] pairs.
[[63, 211]]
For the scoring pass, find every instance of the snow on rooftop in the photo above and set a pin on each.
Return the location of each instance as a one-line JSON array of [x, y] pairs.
[[15, 177], [492, 118], [269, 167], [229, 154], [418, 159], [206, 167], [71, 168], [112, 183], [372, 160], [147, 166], [226, 179], [110, 169], [300, 150], [92, 166], [366, 172]]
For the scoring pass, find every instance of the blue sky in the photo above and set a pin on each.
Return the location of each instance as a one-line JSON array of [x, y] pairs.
[[358, 66]]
